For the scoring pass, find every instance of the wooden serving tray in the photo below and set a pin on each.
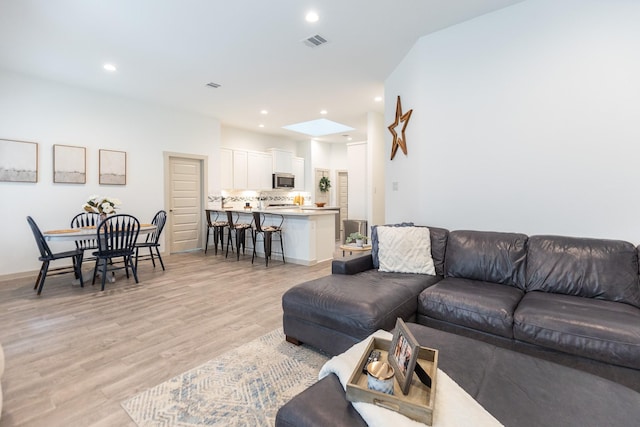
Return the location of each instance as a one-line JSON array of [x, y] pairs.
[[417, 405]]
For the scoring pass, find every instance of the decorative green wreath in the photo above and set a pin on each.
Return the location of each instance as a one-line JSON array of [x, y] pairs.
[[324, 184]]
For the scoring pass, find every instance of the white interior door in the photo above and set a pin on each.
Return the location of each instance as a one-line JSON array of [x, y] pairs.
[[342, 198], [319, 195], [185, 204]]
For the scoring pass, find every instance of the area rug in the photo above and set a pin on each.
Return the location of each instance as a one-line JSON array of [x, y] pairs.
[[243, 387]]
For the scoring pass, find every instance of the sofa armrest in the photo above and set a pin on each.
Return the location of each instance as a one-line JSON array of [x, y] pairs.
[[352, 265]]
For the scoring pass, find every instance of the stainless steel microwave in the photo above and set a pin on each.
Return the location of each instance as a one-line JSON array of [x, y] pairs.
[[283, 180]]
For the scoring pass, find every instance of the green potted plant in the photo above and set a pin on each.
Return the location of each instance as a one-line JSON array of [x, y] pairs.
[[359, 238]]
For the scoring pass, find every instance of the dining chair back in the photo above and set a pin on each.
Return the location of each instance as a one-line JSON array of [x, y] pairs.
[[116, 236], [86, 220], [153, 240], [46, 256]]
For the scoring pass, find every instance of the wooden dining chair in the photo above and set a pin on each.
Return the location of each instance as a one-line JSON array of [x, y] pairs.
[[116, 236], [46, 256], [86, 220], [153, 240]]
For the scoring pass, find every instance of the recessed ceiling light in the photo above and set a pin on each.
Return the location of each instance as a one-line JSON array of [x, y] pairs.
[[109, 67], [323, 112], [260, 125], [378, 99], [312, 17], [264, 112]]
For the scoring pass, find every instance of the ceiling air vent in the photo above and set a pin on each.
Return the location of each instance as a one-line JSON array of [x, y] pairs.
[[314, 41], [213, 85]]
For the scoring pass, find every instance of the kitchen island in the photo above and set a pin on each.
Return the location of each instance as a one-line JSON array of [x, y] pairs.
[[328, 208], [309, 234]]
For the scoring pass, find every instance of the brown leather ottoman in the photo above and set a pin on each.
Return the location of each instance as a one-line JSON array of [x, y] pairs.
[[517, 389]]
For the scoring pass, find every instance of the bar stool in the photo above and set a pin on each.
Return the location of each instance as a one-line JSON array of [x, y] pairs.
[[267, 235], [238, 230], [218, 230]]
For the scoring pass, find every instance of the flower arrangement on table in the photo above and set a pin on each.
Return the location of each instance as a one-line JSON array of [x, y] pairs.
[[102, 205]]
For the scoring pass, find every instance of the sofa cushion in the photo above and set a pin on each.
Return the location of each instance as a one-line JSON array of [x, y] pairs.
[[474, 304], [356, 305], [405, 250], [590, 268], [601, 330], [374, 240], [486, 256], [438, 237], [323, 404]]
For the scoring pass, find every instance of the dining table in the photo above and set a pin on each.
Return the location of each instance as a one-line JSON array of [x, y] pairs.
[[87, 233]]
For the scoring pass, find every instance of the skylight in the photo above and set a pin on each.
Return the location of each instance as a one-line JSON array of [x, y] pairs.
[[319, 127]]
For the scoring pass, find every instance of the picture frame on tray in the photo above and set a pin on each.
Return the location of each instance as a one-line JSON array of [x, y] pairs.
[[403, 354]]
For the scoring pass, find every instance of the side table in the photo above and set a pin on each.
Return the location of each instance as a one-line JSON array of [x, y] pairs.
[[351, 247]]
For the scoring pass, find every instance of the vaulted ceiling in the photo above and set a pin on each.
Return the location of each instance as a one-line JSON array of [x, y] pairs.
[[166, 51]]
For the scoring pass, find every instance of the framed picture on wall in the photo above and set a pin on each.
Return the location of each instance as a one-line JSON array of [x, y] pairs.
[[69, 164], [18, 161], [113, 167]]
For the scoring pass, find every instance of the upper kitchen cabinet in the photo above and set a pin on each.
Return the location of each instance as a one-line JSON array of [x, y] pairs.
[[298, 172], [226, 169], [282, 160], [240, 170], [259, 171]]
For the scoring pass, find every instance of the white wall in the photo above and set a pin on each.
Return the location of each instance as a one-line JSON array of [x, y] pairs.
[[241, 139], [525, 119], [358, 182], [376, 159], [49, 113]]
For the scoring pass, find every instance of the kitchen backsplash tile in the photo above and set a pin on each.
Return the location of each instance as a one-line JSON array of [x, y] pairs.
[[237, 199]]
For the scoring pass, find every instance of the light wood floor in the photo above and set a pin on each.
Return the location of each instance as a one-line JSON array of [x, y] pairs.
[[73, 354]]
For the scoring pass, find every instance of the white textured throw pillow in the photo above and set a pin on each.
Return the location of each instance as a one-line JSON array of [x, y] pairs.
[[405, 250]]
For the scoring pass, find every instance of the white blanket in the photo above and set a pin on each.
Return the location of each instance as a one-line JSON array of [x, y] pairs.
[[454, 407]]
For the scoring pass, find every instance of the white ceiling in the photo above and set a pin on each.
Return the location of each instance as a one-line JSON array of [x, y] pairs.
[[167, 51]]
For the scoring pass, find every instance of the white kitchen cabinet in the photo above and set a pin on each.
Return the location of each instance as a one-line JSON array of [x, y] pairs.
[[226, 169], [259, 171], [282, 160], [298, 172], [240, 170]]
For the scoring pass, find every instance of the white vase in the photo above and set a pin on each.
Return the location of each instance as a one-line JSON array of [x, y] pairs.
[[359, 242]]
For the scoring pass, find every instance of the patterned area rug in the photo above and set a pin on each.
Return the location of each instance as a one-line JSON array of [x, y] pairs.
[[244, 387]]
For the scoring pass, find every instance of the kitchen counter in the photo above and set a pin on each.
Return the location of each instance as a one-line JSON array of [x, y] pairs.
[[288, 211], [315, 208], [308, 233]]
